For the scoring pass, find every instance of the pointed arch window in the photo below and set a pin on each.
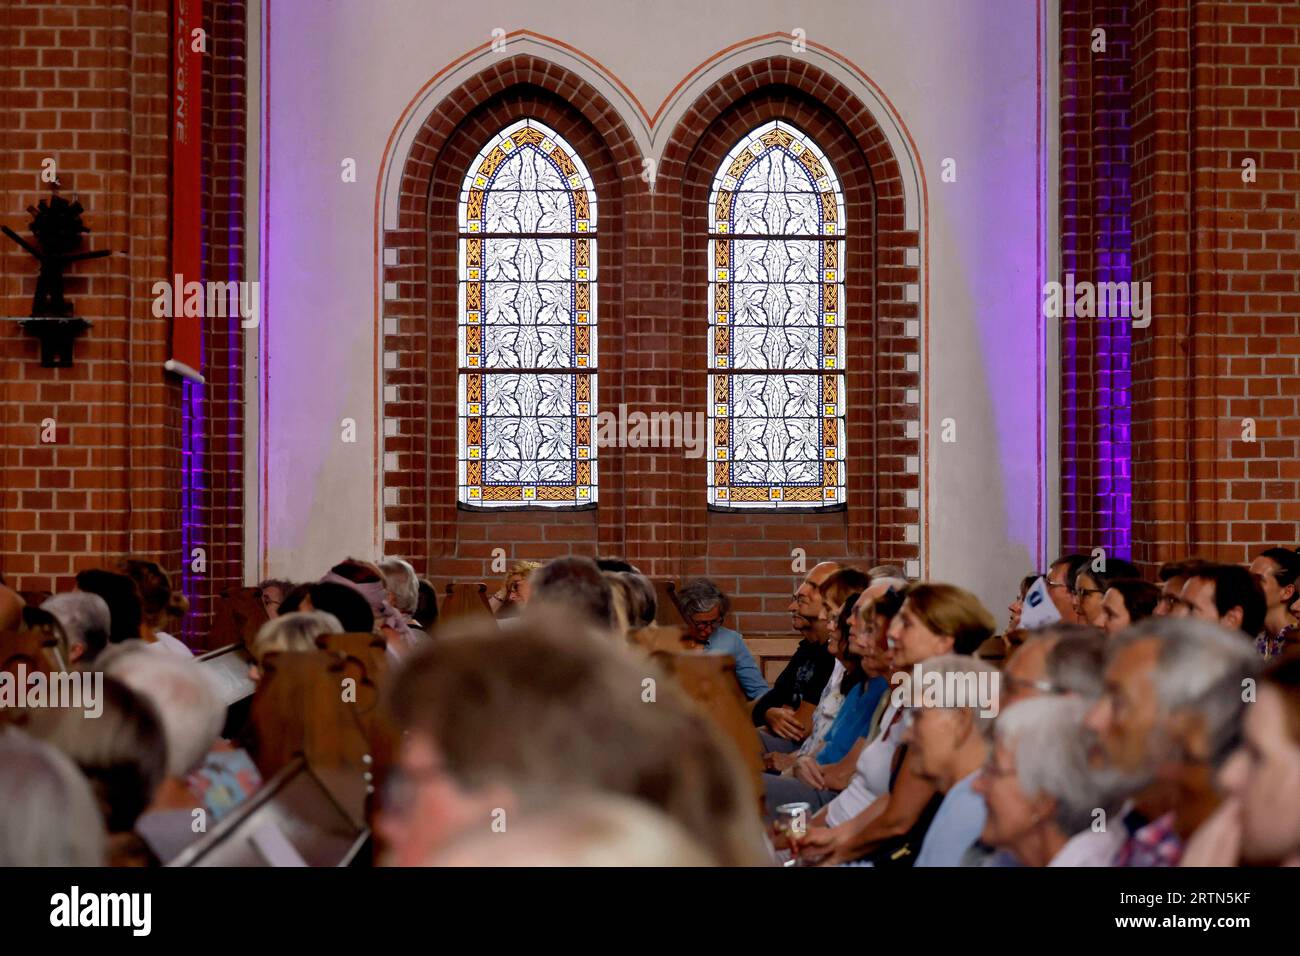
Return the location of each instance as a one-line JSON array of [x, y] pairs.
[[527, 324], [776, 325]]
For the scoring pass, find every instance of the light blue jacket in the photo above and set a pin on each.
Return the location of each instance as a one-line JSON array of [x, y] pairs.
[[726, 641]]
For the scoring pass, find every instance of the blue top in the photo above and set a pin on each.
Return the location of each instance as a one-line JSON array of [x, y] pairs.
[[956, 825], [853, 720], [726, 641]]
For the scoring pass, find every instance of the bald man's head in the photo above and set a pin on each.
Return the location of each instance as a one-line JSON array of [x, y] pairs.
[[11, 609], [806, 608], [821, 571]]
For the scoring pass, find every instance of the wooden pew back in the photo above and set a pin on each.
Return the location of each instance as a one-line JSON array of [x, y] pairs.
[[465, 599], [710, 681], [668, 611], [238, 616], [325, 706]]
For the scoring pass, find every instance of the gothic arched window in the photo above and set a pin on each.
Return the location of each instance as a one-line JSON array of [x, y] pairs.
[[776, 325], [527, 324]]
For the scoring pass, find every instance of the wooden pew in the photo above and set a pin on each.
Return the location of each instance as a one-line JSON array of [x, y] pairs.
[[238, 616], [324, 706], [710, 681], [465, 599], [772, 654], [370, 648], [668, 611], [292, 820], [660, 638]]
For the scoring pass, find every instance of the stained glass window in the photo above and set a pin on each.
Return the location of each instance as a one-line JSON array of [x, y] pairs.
[[776, 325], [527, 327]]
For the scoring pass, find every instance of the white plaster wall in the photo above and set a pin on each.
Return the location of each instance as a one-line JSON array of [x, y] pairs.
[[963, 74]]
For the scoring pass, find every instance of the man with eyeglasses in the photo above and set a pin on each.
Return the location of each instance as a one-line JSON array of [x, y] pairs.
[[1173, 575], [1060, 585], [705, 608], [1061, 659]]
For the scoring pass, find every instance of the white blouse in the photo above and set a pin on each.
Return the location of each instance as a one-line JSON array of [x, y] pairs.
[[871, 776]]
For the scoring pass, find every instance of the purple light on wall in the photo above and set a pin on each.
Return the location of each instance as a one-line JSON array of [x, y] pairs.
[[1114, 250], [193, 429], [1097, 246]]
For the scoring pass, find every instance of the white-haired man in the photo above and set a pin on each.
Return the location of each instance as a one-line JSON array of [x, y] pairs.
[[1175, 689]]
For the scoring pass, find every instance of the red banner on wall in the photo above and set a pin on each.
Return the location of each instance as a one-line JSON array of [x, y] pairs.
[[187, 147]]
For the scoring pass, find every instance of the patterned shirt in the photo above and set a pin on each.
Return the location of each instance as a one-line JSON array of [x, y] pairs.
[[1150, 844], [1275, 645]]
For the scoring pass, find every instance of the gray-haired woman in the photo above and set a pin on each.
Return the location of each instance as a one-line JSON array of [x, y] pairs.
[[1045, 807]]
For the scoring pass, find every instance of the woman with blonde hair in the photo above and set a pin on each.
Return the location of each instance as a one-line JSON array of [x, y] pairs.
[[886, 807], [513, 593], [295, 631]]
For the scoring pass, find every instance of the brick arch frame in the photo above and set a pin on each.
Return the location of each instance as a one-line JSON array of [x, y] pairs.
[[652, 287], [419, 377], [874, 523]]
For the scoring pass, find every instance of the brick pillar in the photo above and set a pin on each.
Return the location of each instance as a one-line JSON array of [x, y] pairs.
[[1216, 84]]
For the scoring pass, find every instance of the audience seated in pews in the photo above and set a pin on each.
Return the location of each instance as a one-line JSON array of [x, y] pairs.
[[295, 632], [1226, 594], [402, 588], [368, 581], [426, 609], [575, 586], [122, 751], [819, 777], [1060, 586], [886, 807], [560, 739], [160, 606], [192, 715], [482, 729]]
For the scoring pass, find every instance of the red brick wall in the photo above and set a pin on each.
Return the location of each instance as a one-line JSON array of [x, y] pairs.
[[1212, 83], [1215, 83], [652, 323], [87, 84]]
